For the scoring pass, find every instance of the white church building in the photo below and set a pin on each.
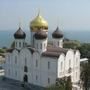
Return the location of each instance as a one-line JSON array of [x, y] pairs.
[[40, 63]]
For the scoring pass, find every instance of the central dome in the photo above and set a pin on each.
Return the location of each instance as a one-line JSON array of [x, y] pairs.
[[38, 23]]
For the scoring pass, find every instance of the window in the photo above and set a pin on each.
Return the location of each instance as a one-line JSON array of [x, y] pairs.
[[36, 63], [36, 77], [41, 45], [8, 58], [25, 69], [15, 73], [61, 65], [58, 43], [48, 80], [25, 61], [19, 44], [23, 43], [15, 59], [48, 65], [37, 45], [9, 72], [76, 60], [69, 63], [16, 44], [76, 75], [44, 45]]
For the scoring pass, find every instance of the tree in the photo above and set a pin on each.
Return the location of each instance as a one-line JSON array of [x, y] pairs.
[[85, 75], [62, 84], [68, 84]]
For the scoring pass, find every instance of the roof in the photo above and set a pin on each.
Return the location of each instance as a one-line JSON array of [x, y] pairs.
[[32, 50], [57, 33], [19, 34], [54, 52], [39, 22], [10, 50], [40, 35]]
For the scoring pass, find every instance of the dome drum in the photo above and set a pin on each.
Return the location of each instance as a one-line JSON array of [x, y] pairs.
[[40, 35]]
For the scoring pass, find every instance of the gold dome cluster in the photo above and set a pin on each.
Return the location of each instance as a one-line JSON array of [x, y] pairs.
[[38, 23]]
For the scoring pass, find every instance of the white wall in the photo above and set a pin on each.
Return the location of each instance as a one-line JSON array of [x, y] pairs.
[[57, 42], [61, 68], [41, 45]]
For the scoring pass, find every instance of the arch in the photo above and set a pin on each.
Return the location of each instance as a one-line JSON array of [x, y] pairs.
[[25, 78]]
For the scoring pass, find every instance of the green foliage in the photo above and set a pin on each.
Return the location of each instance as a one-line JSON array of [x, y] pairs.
[[2, 50], [68, 84], [85, 50], [62, 84], [85, 75], [71, 44]]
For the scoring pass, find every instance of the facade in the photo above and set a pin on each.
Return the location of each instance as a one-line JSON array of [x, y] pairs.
[[39, 63]]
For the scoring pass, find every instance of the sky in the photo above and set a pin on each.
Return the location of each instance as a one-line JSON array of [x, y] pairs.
[[67, 14]]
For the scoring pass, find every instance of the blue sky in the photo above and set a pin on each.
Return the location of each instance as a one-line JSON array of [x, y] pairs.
[[67, 14]]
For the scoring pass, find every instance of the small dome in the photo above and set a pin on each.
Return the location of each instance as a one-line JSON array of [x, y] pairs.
[[39, 23], [19, 34], [40, 35], [57, 33]]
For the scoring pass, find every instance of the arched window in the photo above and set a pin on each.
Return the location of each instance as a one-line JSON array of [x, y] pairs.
[[25, 69], [76, 60], [61, 65], [15, 73], [19, 44], [23, 44], [36, 63], [69, 63], [16, 44], [25, 61], [15, 59], [44, 45], [36, 77], [41, 46], [48, 65], [58, 43], [37, 45]]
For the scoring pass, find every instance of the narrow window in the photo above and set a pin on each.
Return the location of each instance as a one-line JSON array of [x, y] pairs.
[[76, 75], [48, 65], [44, 45], [37, 45], [15, 73], [36, 77], [61, 65], [58, 43], [15, 59], [48, 80], [19, 44], [23, 44], [8, 58], [41, 45], [69, 63], [36, 63], [25, 69], [76, 60], [16, 44], [25, 61], [9, 72]]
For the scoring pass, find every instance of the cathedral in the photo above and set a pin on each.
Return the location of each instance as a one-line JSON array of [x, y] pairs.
[[40, 63]]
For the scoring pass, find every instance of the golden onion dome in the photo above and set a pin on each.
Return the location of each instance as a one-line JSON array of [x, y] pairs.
[[38, 23]]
